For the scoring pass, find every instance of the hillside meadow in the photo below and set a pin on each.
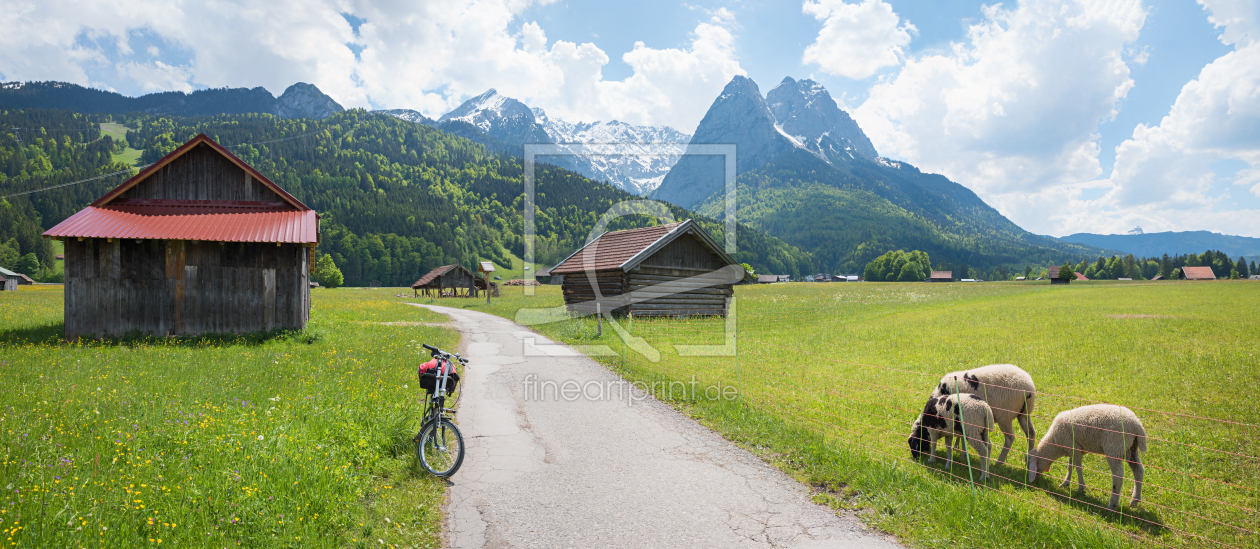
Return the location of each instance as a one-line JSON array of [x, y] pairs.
[[296, 439], [831, 376]]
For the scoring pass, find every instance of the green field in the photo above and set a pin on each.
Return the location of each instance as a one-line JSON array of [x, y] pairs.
[[298, 440], [129, 156], [832, 375]]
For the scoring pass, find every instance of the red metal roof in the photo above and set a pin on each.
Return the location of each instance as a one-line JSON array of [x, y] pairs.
[[611, 250], [193, 220], [201, 138]]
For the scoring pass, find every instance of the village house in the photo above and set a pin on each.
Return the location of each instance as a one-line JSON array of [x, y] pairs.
[[1197, 273]]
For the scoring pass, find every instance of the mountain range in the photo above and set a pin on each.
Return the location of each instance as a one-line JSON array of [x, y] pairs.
[[1143, 244], [301, 100], [505, 124]]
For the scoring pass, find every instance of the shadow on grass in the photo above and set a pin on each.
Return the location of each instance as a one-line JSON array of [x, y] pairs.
[[1094, 501], [53, 335]]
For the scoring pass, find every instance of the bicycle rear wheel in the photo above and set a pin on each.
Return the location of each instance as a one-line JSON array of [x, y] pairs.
[[441, 448]]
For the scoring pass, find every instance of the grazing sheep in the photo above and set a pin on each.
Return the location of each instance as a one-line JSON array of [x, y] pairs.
[[1107, 429], [940, 419], [1007, 389]]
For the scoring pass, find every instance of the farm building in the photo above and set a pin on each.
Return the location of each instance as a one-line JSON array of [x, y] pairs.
[[18, 278], [449, 281], [667, 270], [767, 279], [1053, 274], [544, 276], [941, 276], [7, 284], [1157, 277], [198, 242], [1197, 273]]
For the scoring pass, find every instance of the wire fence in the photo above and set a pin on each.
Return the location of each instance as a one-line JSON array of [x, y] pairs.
[[1201, 485]]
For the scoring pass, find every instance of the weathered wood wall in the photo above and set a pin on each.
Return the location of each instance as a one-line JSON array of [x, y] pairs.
[[683, 258], [453, 283], [200, 174], [164, 287], [9, 284]]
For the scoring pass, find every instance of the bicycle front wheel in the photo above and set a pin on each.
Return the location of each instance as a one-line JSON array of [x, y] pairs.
[[441, 448]]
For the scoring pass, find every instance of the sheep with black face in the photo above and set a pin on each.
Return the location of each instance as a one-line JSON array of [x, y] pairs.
[[1008, 390], [941, 418], [1106, 429]]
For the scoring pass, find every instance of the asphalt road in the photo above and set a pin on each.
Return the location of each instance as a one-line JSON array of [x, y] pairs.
[[612, 468]]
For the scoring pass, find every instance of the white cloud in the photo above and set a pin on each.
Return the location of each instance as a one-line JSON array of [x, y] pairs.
[[1013, 112], [856, 40], [157, 76], [427, 55], [1166, 169]]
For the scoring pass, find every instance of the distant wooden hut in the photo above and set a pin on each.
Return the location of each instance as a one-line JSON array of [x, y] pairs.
[[1053, 274], [7, 284], [19, 278], [767, 279], [544, 276], [449, 281], [941, 276], [667, 270], [1157, 277], [1197, 273], [198, 242]]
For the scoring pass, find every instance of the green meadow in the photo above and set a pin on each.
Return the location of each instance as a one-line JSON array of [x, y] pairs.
[[832, 375], [298, 439]]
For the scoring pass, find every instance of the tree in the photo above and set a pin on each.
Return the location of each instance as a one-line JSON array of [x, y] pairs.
[[1243, 272], [1066, 272], [326, 272], [28, 265], [1028, 272], [9, 254]]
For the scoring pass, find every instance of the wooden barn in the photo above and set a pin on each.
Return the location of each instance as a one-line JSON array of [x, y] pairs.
[[667, 270], [449, 281], [941, 276], [18, 278], [7, 284], [198, 242]]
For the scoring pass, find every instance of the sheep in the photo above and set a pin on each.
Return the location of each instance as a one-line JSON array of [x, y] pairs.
[[1007, 389], [940, 420], [1097, 429]]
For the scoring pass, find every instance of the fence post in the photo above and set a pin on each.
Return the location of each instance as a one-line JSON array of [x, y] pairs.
[[958, 417], [1124, 449], [599, 321]]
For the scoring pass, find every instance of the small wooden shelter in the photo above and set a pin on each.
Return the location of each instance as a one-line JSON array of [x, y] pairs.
[[941, 276], [1197, 273], [7, 284], [198, 242], [449, 281], [667, 270], [19, 278]]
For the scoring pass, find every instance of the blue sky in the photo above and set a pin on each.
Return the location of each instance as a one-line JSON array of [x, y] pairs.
[[1065, 115]]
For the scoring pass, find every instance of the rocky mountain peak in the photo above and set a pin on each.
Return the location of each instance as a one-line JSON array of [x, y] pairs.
[[804, 110], [501, 117], [303, 100]]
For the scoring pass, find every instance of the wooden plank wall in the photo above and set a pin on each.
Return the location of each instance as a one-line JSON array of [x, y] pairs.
[[180, 287], [200, 174], [685, 257]]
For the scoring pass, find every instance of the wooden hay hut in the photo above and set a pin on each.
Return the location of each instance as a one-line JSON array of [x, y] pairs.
[[18, 278], [667, 270], [198, 242], [7, 284], [1197, 273], [941, 276], [449, 281]]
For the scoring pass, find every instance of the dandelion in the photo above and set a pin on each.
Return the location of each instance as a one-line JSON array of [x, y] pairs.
[[260, 437]]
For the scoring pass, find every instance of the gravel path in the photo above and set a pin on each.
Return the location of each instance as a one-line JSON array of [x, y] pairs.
[[542, 471]]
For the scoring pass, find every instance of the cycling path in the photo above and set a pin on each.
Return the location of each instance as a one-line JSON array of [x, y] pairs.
[[611, 470]]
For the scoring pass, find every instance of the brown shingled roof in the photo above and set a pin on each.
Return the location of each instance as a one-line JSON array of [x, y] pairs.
[[611, 250], [942, 274], [1198, 273], [432, 275]]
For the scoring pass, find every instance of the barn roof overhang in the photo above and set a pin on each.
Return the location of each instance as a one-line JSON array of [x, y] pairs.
[[648, 248], [192, 220]]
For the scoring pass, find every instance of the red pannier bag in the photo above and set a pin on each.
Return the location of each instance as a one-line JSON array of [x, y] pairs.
[[428, 375]]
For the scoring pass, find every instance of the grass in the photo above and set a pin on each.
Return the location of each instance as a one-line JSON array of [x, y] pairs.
[[129, 156], [289, 439], [831, 376]]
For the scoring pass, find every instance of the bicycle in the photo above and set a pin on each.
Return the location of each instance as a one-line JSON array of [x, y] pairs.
[[439, 444]]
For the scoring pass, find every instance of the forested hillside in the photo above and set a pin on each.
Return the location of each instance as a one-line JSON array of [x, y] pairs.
[[850, 213], [396, 198]]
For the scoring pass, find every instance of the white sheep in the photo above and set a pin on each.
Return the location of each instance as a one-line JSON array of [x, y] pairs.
[[1007, 389], [1108, 429], [940, 419]]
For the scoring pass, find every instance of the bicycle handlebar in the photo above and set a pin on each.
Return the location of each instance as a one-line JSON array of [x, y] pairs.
[[431, 348]]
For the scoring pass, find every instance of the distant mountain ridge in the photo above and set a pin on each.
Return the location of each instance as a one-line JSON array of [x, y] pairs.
[[301, 100], [504, 124], [1172, 243]]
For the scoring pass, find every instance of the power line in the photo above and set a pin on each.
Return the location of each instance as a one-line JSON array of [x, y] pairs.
[[126, 171]]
